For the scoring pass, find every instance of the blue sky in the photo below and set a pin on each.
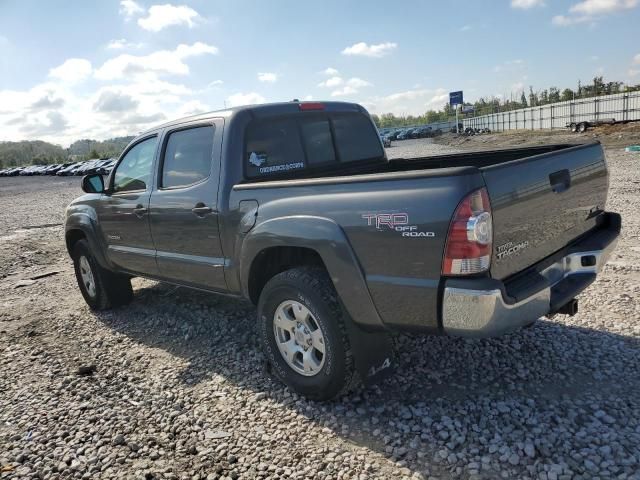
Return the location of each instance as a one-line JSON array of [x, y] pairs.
[[79, 69]]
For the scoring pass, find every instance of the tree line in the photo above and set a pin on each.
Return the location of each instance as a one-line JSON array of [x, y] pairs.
[[486, 105], [37, 152]]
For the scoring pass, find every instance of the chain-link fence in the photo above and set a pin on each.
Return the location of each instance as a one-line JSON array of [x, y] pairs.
[[619, 107]]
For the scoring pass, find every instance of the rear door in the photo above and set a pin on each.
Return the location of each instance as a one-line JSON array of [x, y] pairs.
[[184, 206], [542, 203]]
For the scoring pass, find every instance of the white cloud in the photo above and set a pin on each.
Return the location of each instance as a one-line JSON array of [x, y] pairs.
[[526, 4], [250, 98], [163, 16], [331, 82], [350, 86], [163, 62], [409, 102], [633, 72], [636, 59], [356, 82], [363, 49], [332, 72], [465, 28], [517, 64], [114, 101], [346, 90], [54, 122], [73, 70], [598, 7], [193, 107], [215, 83], [267, 77], [564, 20], [121, 43], [129, 8], [591, 10]]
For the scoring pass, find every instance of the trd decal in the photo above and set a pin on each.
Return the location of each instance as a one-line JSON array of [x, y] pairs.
[[390, 220], [395, 221]]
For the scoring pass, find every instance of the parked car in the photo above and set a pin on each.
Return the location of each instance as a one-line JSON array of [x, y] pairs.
[[106, 168], [69, 169], [54, 169], [86, 167], [30, 170], [12, 172], [337, 252], [386, 141], [405, 134], [393, 135]]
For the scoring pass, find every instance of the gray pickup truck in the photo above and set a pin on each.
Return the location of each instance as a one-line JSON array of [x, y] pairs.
[[295, 207]]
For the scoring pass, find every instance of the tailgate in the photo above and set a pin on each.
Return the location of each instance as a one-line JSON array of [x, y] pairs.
[[543, 202]]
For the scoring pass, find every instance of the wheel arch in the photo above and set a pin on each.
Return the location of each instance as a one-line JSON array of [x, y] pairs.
[[316, 241], [79, 226]]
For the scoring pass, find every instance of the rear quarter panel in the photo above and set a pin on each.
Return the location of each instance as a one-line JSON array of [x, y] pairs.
[[396, 226]]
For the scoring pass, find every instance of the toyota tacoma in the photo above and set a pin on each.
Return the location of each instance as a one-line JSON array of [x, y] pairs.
[[295, 207]]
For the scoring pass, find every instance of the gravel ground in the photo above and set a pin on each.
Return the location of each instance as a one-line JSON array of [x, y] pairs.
[[172, 386]]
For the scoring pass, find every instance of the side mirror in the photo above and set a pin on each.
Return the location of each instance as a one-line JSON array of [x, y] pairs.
[[92, 184]]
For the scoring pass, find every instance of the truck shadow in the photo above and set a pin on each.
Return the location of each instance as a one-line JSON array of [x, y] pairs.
[[446, 392]]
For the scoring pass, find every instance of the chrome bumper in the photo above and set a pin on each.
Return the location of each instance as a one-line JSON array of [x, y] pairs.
[[486, 313]]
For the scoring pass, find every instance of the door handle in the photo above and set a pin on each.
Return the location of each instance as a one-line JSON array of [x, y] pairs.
[[201, 209], [140, 211]]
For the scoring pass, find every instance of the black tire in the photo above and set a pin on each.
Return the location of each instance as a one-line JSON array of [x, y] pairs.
[[312, 288], [109, 289], [582, 127], [573, 127]]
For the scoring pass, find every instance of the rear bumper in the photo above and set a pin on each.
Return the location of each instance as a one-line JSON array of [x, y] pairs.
[[487, 307]]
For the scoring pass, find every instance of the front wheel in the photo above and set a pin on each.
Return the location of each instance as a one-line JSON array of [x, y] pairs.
[[101, 288], [303, 334]]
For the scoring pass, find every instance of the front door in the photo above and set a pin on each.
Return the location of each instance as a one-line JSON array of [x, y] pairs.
[[124, 213], [184, 207]]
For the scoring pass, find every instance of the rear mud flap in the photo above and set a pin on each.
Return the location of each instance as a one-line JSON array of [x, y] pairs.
[[373, 353]]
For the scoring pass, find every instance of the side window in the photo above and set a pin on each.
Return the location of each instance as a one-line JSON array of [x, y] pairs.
[[187, 157], [273, 147], [134, 171]]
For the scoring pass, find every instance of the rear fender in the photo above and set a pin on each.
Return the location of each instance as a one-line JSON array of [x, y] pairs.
[[325, 237]]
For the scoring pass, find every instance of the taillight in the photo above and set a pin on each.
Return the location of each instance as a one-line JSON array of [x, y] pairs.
[[469, 241]]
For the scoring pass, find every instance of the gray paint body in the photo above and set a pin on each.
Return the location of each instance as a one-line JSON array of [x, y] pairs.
[[384, 279]]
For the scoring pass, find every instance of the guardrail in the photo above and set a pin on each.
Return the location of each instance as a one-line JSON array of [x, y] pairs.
[[622, 107]]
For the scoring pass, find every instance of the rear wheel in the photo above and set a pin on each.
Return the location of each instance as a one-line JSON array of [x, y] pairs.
[[101, 288], [302, 331], [573, 127], [582, 127]]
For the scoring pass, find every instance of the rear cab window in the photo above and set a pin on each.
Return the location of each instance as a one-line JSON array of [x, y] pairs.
[[308, 143]]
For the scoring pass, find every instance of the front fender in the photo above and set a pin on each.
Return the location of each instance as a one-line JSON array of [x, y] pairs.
[[327, 238], [84, 220]]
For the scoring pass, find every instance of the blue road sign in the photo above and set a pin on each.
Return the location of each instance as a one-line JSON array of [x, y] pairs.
[[455, 98]]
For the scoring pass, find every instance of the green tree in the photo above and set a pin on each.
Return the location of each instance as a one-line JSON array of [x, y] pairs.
[[567, 94]]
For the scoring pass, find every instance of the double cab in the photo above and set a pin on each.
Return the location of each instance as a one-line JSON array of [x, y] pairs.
[[295, 207]]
